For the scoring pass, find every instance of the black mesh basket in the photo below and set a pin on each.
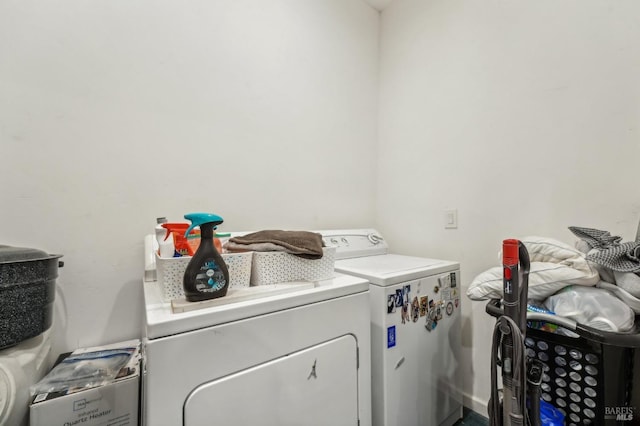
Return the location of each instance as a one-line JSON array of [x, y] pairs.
[[594, 378]]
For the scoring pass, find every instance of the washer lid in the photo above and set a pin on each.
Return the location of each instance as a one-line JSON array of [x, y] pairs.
[[388, 269]]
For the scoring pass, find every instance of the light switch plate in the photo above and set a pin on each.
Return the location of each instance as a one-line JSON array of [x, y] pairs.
[[451, 218]]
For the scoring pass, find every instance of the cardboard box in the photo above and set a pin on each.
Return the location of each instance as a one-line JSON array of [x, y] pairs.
[[115, 403]]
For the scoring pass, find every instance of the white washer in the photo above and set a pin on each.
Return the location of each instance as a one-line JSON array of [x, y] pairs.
[[21, 366], [415, 357], [301, 357]]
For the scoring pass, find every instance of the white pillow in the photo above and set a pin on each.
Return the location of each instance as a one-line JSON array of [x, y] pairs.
[[554, 265]]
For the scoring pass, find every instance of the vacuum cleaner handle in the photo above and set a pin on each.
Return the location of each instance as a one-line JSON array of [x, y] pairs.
[[567, 323], [515, 281], [494, 308], [511, 281]]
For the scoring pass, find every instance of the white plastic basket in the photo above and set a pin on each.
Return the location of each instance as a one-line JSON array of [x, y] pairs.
[[170, 273], [273, 267]]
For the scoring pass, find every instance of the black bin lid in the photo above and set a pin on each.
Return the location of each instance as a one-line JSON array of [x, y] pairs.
[[9, 254]]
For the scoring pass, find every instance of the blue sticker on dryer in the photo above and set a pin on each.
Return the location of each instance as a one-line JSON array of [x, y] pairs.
[[391, 336]]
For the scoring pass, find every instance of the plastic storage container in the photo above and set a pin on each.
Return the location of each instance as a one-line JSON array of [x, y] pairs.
[[594, 379], [170, 273], [273, 267]]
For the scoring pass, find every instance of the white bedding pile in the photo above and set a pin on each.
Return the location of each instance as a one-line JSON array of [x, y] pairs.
[[554, 265]]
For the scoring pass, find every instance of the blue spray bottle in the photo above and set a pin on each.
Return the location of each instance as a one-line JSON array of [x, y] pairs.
[[206, 276]]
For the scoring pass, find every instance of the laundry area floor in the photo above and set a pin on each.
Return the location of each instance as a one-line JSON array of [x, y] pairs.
[[471, 418]]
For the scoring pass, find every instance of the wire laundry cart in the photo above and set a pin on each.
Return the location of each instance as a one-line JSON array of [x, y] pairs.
[[593, 379]]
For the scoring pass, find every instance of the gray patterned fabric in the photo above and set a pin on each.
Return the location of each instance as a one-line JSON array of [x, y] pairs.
[[610, 252], [595, 238]]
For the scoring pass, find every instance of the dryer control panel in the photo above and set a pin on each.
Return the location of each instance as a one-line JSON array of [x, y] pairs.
[[350, 243]]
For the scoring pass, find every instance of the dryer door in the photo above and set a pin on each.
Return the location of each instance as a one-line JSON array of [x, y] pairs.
[[315, 386]]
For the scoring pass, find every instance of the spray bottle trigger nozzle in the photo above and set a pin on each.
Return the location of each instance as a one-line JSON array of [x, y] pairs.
[[167, 231], [193, 225]]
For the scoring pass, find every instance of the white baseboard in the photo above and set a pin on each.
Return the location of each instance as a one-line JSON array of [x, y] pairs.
[[475, 404]]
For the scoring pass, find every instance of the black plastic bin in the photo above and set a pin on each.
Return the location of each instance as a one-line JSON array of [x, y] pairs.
[[594, 379]]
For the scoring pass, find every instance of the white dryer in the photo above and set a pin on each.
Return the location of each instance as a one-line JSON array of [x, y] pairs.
[[415, 329], [300, 357]]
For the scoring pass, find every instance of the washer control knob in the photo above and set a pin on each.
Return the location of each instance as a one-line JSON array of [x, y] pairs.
[[375, 239], [334, 241]]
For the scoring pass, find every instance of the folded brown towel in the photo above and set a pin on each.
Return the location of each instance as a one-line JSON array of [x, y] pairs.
[[300, 243]]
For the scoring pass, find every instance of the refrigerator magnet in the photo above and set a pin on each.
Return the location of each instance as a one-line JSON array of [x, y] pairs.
[[415, 309], [430, 325], [446, 294], [399, 298], [445, 281], [449, 309], [423, 306], [405, 313], [407, 290], [391, 303]]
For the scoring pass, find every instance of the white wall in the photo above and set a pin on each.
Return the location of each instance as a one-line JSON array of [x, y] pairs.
[[113, 113], [522, 115]]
